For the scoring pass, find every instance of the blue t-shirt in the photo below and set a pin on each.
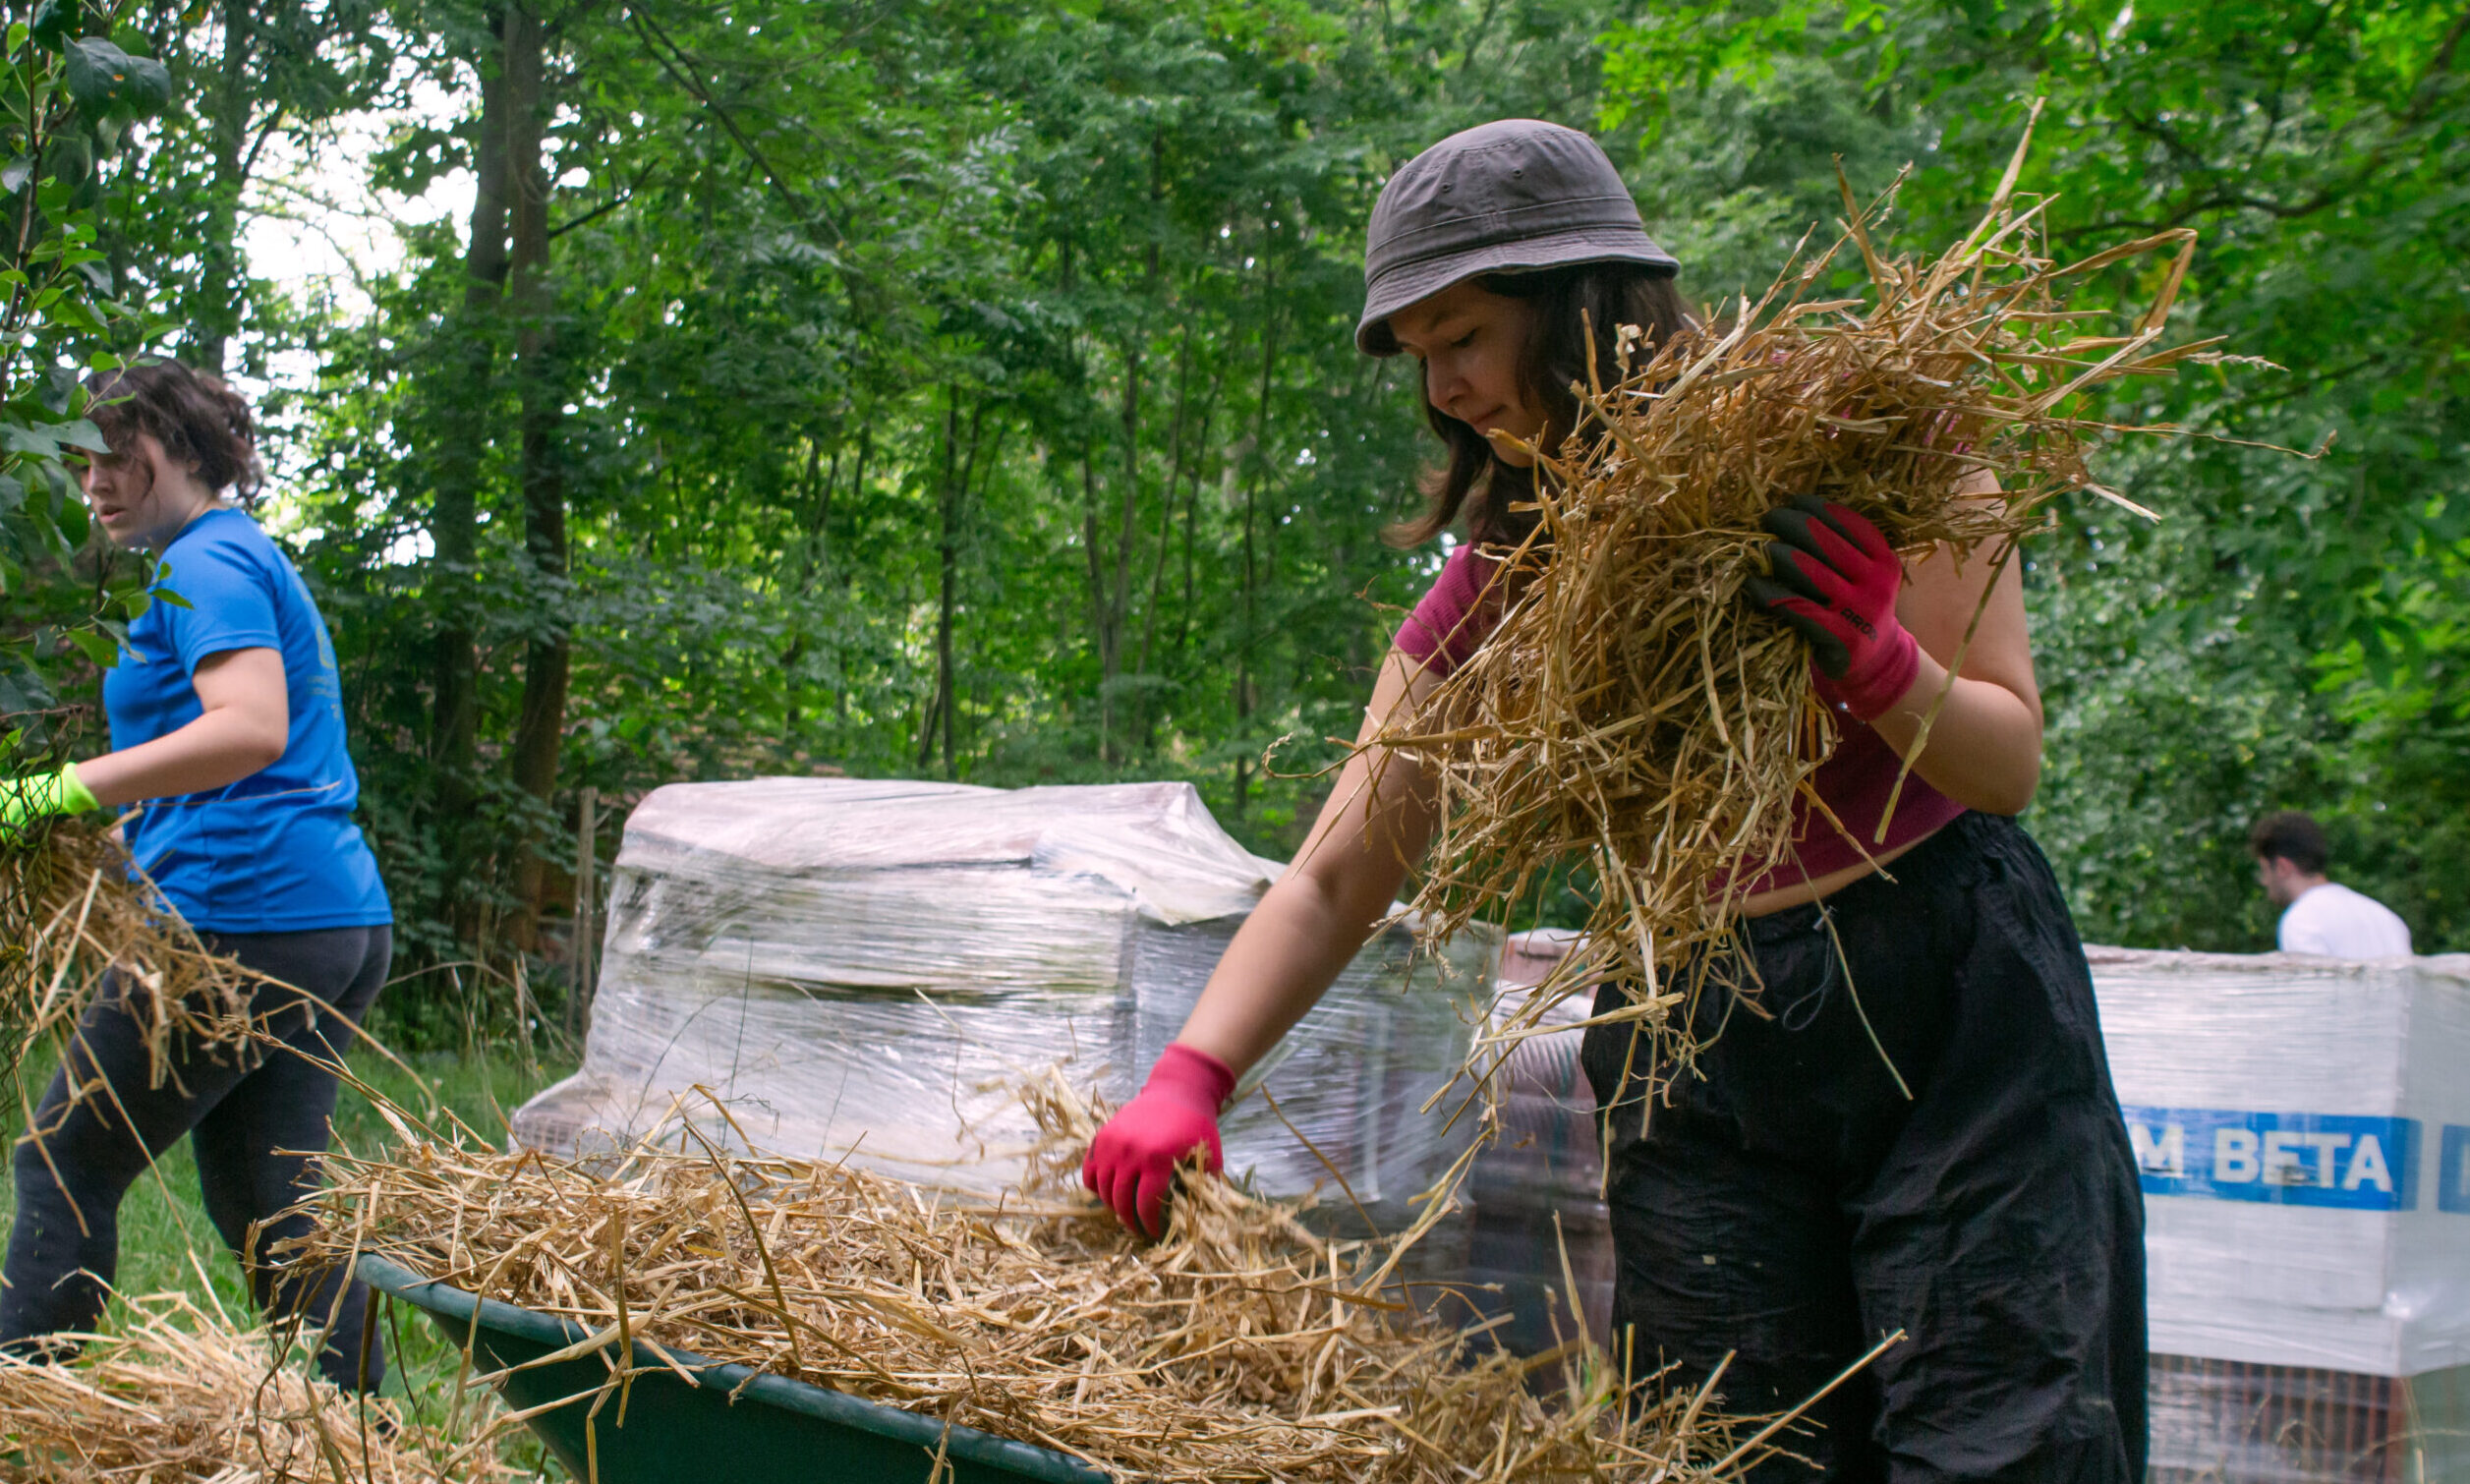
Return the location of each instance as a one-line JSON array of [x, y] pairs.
[[276, 852]]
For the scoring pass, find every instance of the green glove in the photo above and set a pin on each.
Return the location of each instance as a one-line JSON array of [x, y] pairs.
[[25, 800]]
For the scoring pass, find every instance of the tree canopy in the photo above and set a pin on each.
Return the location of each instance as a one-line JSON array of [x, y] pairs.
[[965, 388]]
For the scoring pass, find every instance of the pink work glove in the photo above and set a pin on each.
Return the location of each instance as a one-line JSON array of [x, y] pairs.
[[1132, 1162], [1835, 580]]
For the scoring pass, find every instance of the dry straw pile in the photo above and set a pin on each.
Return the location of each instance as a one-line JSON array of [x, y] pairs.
[[1631, 715], [181, 1397], [1242, 1347]]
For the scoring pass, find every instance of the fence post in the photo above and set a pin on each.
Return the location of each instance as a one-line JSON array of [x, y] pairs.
[[586, 940]]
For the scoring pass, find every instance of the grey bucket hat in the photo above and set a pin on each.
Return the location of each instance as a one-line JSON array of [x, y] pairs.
[[1518, 194]]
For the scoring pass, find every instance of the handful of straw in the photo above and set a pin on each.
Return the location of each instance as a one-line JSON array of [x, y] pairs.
[[183, 1396], [1631, 715], [70, 915], [1242, 1347]]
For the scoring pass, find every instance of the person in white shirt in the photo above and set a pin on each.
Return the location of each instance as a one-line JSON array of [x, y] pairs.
[[2320, 916]]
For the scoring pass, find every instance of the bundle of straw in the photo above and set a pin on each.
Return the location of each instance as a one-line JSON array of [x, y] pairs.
[[73, 915], [1242, 1347], [183, 1396], [1631, 716]]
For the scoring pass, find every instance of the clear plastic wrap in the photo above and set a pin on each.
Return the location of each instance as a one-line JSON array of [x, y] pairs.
[[867, 970], [1534, 1194]]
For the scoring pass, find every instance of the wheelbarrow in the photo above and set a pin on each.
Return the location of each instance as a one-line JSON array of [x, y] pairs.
[[728, 1422]]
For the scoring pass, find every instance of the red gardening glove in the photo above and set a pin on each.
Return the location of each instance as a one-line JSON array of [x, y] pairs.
[[1835, 582], [1132, 1162]]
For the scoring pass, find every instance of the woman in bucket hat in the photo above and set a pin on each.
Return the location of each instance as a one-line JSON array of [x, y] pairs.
[[1794, 1201]]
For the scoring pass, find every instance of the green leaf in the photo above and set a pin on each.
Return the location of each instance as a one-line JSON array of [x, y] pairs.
[[95, 646], [16, 172], [153, 88], [42, 441], [105, 80]]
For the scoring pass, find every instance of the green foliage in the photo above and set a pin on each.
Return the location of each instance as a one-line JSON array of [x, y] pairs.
[[66, 102], [1035, 318], [961, 389]]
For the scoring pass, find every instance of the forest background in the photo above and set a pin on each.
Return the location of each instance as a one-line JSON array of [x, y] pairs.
[[928, 387]]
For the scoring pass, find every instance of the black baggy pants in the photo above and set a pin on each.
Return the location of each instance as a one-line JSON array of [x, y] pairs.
[[239, 1106], [1788, 1204]]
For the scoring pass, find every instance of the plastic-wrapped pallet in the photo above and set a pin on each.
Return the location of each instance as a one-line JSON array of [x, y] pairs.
[[2303, 1130], [866, 969], [1537, 1225]]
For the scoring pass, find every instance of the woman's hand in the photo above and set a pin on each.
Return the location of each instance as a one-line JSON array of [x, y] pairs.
[[243, 725], [1982, 747], [1377, 820], [1132, 1160], [37, 796], [1836, 581]]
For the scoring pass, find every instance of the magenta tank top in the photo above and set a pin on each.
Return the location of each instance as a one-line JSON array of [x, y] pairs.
[[1458, 611]]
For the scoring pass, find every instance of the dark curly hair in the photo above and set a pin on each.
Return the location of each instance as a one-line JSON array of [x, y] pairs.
[[1605, 295], [199, 422]]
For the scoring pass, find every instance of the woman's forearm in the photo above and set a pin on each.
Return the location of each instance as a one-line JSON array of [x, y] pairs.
[[1287, 953], [1378, 817], [1984, 750]]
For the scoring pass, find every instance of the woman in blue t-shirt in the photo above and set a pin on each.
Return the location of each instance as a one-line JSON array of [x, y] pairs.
[[227, 742]]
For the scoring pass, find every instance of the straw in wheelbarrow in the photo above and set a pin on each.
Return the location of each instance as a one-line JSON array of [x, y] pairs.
[[1631, 718], [1240, 1346]]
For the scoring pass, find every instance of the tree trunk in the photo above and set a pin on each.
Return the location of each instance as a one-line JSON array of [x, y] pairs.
[[547, 657], [215, 316], [948, 595], [464, 397], [1093, 536], [1184, 444], [1257, 457], [816, 489]]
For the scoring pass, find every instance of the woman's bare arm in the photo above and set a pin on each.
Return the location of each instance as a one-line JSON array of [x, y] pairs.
[[1375, 825], [245, 723], [1984, 746]]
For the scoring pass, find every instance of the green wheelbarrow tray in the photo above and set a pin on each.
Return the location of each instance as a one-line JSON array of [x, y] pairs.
[[729, 1424]]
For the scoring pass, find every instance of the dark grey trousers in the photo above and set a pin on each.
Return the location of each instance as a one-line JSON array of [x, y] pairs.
[[238, 1108], [1788, 1205]]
